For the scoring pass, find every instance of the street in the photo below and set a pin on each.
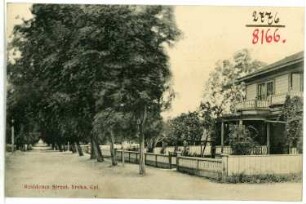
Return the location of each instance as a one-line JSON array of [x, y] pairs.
[[48, 173]]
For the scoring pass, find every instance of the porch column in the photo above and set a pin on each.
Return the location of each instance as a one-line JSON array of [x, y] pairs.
[[222, 136], [268, 138], [240, 122]]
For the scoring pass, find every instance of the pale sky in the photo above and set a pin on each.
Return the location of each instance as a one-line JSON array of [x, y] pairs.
[[211, 34]]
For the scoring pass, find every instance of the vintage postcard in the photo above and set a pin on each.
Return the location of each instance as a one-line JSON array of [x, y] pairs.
[[180, 102]]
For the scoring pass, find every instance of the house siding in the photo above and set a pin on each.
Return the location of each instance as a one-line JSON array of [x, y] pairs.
[[282, 84], [251, 92]]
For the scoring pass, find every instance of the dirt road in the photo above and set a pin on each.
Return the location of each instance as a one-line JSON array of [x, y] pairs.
[[46, 173]]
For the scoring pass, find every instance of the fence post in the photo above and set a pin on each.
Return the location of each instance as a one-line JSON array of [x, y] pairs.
[[170, 160], [198, 161], [129, 157], [13, 136], [178, 154], [156, 160], [115, 156], [122, 157], [224, 167]]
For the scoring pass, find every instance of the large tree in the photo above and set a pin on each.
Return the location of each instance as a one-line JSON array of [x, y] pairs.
[[49, 44], [90, 58], [186, 127], [221, 92], [140, 71]]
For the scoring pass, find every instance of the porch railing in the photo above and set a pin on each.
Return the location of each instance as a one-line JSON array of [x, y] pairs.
[[253, 104], [277, 99], [258, 150], [280, 98]]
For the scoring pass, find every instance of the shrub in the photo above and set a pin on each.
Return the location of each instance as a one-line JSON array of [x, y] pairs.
[[264, 178], [292, 114], [241, 140]]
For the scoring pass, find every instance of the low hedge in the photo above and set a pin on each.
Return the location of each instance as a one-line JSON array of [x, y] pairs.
[[265, 178]]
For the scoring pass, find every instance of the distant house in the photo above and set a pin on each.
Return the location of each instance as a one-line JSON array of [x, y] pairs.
[[266, 91]]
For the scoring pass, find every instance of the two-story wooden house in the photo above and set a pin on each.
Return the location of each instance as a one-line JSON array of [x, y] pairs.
[[266, 91]]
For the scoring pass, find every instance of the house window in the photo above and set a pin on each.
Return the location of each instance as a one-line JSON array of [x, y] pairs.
[[265, 90], [270, 88], [261, 91], [296, 82]]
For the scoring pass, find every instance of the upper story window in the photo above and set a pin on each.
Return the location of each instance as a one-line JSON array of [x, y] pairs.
[[265, 90], [270, 88], [261, 94], [296, 82]]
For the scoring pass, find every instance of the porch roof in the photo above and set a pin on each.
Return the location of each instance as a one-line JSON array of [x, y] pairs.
[[242, 117], [239, 116]]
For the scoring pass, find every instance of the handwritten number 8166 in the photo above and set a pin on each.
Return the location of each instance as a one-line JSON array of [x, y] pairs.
[[265, 36]]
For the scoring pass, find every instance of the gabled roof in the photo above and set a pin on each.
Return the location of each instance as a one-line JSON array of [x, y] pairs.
[[285, 62]]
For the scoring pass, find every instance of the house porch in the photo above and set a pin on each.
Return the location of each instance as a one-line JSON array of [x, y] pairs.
[[267, 132]]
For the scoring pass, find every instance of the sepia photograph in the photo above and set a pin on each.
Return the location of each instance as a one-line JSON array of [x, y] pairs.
[[175, 102]]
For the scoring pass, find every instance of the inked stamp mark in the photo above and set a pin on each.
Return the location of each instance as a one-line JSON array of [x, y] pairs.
[[267, 28]]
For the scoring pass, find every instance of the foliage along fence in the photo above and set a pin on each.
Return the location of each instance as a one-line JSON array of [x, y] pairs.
[[196, 149], [192, 149]]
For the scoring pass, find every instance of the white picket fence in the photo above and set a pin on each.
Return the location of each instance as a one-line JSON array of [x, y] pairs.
[[151, 159], [192, 149], [211, 168], [217, 168], [263, 164]]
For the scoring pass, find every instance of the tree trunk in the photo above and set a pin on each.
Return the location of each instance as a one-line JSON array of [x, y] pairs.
[[122, 154], [80, 151], [112, 148], [72, 147], [154, 145], [213, 151], [142, 169], [59, 146], [97, 150], [150, 145], [92, 149], [53, 146]]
